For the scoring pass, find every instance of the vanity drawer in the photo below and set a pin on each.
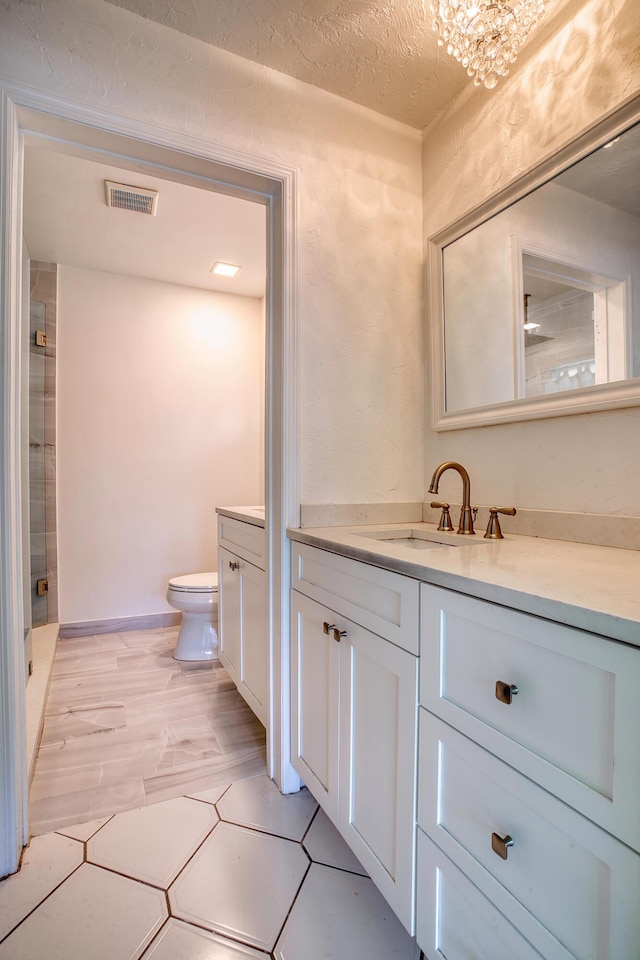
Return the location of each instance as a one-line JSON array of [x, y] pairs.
[[570, 888], [572, 725], [246, 540], [454, 920], [384, 602]]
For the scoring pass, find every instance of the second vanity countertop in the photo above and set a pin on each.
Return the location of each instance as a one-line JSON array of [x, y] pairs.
[[254, 515], [582, 585]]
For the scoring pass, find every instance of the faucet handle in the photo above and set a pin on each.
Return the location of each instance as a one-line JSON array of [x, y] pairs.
[[493, 527], [445, 517]]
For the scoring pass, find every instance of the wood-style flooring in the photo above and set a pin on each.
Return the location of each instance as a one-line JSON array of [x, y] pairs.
[[127, 725]]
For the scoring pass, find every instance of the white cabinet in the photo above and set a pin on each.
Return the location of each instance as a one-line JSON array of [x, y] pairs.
[[528, 779], [527, 822], [243, 627], [572, 726], [354, 718]]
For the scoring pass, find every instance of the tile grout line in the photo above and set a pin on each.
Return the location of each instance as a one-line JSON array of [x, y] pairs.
[[45, 898], [220, 933], [262, 830], [149, 945], [61, 833], [293, 903], [190, 858]]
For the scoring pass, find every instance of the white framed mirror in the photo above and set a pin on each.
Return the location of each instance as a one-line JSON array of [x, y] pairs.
[[535, 296]]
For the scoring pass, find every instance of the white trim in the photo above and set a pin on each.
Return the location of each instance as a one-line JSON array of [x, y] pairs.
[[13, 785], [283, 508], [612, 339], [237, 173], [588, 399]]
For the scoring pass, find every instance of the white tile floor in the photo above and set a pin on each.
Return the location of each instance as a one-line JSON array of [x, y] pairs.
[[231, 873]]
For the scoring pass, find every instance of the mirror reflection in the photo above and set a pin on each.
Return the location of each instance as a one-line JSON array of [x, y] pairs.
[[544, 297]]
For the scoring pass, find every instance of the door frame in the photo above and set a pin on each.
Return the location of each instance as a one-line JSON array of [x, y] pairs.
[[25, 112]]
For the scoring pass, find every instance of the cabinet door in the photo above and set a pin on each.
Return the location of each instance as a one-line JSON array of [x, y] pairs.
[[314, 700], [229, 612], [253, 659], [378, 721]]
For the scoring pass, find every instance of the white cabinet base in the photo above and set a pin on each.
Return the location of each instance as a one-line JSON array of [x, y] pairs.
[[243, 629], [354, 703]]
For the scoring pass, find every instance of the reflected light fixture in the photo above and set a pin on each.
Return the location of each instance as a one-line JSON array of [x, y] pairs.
[[222, 269], [528, 325], [485, 36]]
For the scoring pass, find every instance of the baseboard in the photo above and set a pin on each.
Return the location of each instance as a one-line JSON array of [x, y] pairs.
[[44, 641], [90, 628]]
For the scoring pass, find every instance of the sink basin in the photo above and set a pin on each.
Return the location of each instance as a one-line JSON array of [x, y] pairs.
[[420, 539], [417, 543]]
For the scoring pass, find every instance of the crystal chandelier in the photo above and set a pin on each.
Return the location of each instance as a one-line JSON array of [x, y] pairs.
[[485, 35]]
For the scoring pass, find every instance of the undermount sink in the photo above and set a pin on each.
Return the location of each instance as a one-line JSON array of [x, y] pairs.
[[419, 539]]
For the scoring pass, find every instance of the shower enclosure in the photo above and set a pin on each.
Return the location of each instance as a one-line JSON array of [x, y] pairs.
[[42, 443]]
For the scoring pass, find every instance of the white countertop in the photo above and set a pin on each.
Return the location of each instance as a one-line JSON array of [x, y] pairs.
[[254, 515], [590, 587]]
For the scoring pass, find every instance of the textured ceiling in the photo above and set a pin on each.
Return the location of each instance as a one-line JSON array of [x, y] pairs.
[[381, 55]]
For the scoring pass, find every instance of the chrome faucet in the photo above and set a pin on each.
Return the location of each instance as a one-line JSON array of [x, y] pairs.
[[466, 518]]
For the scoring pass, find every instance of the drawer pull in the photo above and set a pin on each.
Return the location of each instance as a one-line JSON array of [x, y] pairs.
[[328, 627], [338, 634], [500, 845], [505, 692], [234, 565]]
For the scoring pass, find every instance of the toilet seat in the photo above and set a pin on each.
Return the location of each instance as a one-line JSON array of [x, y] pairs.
[[195, 583]]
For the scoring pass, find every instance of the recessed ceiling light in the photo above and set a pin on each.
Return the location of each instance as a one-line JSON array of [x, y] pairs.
[[530, 325], [224, 269], [611, 143]]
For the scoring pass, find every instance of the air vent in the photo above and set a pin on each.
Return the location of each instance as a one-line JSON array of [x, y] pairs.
[[125, 197]]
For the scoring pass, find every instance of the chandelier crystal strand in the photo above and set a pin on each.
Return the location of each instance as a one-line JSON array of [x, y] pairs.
[[485, 36]]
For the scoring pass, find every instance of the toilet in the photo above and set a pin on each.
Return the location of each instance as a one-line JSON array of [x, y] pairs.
[[196, 596]]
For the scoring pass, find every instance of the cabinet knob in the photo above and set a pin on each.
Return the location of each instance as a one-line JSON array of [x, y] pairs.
[[234, 565], [500, 845], [338, 634], [328, 627], [505, 692]]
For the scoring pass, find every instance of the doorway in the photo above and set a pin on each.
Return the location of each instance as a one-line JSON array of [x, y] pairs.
[[212, 167], [160, 400], [160, 383]]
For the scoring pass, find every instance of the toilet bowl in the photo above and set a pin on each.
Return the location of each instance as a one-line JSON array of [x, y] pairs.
[[196, 596]]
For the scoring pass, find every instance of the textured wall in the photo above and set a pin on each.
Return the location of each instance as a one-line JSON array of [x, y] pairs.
[[359, 256], [585, 62], [159, 420]]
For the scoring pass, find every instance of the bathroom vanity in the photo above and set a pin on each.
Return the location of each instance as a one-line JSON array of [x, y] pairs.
[[466, 712], [242, 620]]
